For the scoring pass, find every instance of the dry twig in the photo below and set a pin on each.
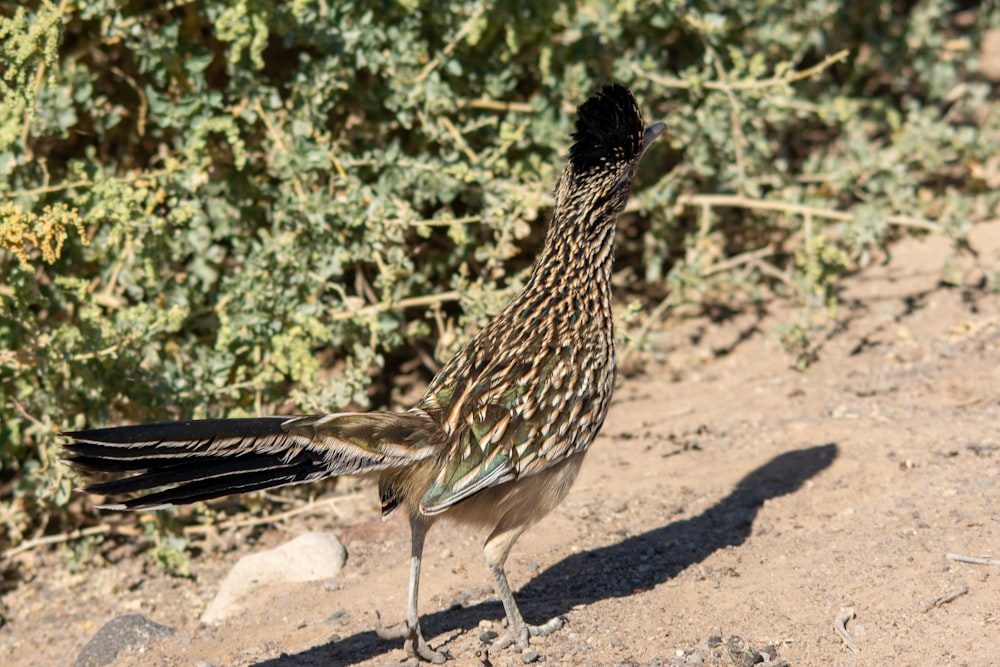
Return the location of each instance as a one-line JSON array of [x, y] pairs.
[[749, 203], [311, 506], [840, 626], [103, 529], [66, 537], [785, 79], [946, 598], [972, 559]]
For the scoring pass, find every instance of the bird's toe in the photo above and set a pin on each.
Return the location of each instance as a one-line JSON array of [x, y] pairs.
[[415, 645]]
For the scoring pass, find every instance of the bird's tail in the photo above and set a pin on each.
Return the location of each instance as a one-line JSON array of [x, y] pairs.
[[183, 462]]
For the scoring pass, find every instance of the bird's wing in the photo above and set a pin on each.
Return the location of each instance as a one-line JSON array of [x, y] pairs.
[[512, 416]]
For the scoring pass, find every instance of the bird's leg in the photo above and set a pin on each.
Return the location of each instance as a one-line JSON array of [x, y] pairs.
[[409, 629], [498, 545]]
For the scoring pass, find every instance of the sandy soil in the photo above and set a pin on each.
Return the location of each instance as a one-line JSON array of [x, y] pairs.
[[728, 495]]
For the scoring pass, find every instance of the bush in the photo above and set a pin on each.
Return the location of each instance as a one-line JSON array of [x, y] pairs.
[[226, 209]]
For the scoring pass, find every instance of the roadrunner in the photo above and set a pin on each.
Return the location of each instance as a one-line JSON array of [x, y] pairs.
[[497, 440]]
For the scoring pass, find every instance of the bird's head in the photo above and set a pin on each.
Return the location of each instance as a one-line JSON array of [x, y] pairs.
[[609, 141]]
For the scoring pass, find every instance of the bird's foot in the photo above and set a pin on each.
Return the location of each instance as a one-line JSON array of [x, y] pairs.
[[414, 642], [518, 636]]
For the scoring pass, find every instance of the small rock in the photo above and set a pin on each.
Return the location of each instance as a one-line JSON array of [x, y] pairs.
[[530, 656], [618, 506], [125, 633], [740, 653], [467, 595], [309, 557], [488, 636]]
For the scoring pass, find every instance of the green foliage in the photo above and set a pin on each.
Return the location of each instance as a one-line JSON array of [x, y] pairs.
[[30, 44], [169, 547], [225, 209]]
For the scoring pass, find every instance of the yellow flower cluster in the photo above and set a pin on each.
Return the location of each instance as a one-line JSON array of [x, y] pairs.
[[22, 230]]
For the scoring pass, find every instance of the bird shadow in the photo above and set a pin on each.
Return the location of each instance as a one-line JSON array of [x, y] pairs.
[[633, 565]]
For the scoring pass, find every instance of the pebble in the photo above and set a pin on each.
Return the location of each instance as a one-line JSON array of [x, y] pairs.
[[118, 636], [310, 557], [529, 656]]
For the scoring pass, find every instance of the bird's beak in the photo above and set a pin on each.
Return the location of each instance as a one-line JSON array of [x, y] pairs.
[[652, 132]]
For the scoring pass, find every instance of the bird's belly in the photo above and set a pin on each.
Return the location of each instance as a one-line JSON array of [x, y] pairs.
[[520, 502]]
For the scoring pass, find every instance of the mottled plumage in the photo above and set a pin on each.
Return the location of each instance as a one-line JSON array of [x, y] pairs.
[[500, 434]]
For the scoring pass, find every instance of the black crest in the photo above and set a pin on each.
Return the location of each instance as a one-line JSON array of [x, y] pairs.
[[609, 129]]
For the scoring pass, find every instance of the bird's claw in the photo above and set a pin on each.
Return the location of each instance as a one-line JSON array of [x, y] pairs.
[[518, 636], [414, 642]]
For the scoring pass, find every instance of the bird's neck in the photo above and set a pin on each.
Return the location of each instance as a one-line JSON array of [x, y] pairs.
[[570, 286], [575, 257], [579, 244]]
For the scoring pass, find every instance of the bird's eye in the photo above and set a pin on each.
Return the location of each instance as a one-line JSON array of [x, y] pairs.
[[626, 178]]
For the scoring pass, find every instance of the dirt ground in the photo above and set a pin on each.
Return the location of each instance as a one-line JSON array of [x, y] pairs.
[[728, 495]]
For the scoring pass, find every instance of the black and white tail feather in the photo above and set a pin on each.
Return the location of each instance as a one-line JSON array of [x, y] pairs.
[[205, 459]]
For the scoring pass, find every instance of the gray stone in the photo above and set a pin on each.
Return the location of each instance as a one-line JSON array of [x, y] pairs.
[[530, 656], [309, 557], [125, 633]]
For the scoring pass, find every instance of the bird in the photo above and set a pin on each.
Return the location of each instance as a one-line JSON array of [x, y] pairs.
[[498, 438]]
